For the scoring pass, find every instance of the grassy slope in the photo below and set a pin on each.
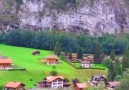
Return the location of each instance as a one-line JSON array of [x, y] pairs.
[[35, 70]]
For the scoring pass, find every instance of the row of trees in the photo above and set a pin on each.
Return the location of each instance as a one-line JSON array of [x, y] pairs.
[[68, 42]]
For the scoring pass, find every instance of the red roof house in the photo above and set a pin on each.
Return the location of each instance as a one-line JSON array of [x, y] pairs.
[[14, 86], [113, 84], [51, 82], [5, 63], [81, 86]]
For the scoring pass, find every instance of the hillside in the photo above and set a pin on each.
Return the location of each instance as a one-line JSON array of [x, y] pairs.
[[94, 17], [36, 71]]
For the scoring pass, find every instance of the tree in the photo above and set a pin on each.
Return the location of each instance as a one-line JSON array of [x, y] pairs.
[[75, 81], [124, 82], [98, 54], [66, 80], [54, 73], [57, 48], [106, 62], [70, 55], [117, 67], [112, 55], [125, 62], [118, 77], [80, 53], [112, 71]]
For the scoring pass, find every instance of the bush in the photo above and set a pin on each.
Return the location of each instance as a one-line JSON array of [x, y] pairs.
[[118, 77], [54, 73]]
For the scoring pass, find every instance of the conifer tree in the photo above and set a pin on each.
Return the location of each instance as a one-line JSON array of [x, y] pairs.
[[80, 53], [125, 62], [98, 54], [112, 55], [57, 48], [70, 55], [117, 67], [112, 71]]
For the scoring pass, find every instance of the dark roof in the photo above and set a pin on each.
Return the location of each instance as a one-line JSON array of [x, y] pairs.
[[85, 62]]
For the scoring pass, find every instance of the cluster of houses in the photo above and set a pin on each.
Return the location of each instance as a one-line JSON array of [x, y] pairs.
[[60, 82], [86, 60], [96, 79], [5, 63]]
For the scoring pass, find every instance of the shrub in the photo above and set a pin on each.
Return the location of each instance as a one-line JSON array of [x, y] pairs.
[[54, 73]]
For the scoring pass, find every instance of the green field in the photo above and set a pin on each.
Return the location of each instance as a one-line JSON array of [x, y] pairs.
[[36, 71]]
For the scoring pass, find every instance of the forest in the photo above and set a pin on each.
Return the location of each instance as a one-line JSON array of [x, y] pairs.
[[69, 42]]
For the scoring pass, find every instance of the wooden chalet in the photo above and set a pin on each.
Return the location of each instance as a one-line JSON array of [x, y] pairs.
[[5, 63], [88, 57], [52, 82], [81, 86], [74, 56], [51, 59], [14, 86]]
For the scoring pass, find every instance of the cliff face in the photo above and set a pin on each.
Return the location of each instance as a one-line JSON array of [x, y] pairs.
[[95, 17]]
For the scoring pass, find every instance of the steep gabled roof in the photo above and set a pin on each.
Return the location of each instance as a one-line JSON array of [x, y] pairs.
[[114, 84], [51, 56], [81, 85], [85, 62], [13, 84], [7, 61], [52, 78]]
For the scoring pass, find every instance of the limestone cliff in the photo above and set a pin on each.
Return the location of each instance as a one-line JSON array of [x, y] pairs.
[[95, 17]]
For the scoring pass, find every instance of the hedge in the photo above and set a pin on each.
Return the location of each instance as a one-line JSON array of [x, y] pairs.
[[21, 69]]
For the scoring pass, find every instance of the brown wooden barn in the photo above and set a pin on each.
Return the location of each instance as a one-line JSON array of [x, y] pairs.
[[36, 52], [74, 56]]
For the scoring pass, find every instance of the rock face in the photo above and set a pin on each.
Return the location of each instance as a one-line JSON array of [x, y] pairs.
[[95, 18]]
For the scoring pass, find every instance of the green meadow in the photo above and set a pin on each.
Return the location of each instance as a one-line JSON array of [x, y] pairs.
[[35, 70]]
